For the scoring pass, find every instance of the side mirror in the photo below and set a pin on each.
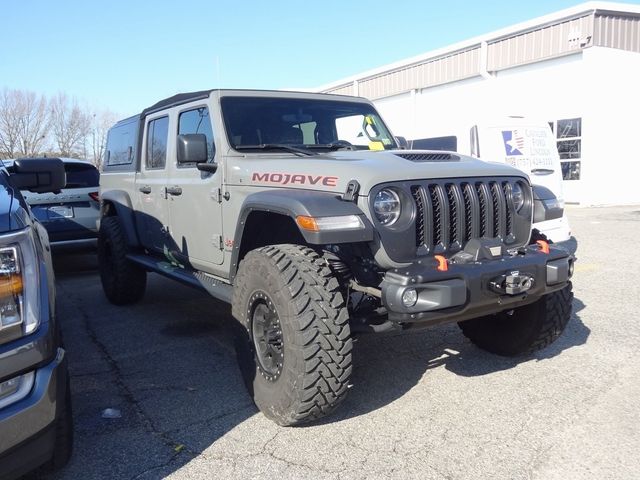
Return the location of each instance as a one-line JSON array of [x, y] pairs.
[[38, 175], [192, 148], [402, 143]]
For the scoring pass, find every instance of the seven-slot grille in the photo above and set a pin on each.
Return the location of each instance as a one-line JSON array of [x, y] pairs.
[[450, 213]]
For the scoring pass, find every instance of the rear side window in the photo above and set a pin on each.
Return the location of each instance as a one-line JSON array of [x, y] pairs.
[[81, 176], [198, 121], [120, 144], [157, 134]]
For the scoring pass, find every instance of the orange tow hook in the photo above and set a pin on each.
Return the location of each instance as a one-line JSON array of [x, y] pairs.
[[443, 266], [544, 246]]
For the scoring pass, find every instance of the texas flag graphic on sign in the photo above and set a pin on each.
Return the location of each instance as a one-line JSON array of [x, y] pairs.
[[513, 142]]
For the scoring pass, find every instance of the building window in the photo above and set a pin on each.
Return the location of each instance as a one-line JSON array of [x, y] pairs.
[[569, 142]]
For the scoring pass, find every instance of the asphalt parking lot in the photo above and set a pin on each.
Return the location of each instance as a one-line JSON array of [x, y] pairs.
[[424, 404]]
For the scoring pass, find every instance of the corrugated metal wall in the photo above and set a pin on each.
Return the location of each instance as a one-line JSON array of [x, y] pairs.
[[543, 43], [441, 70], [617, 31], [563, 37], [342, 90]]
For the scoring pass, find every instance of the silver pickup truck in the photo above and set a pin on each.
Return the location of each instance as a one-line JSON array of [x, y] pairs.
[[312, 220]]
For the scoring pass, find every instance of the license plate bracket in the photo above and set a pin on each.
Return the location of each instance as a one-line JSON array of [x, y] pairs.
[[57, 212]]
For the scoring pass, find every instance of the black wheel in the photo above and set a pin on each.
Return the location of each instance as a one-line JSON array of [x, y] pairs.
[[522, 330], [295, 344], [64, 435], [122, 281]]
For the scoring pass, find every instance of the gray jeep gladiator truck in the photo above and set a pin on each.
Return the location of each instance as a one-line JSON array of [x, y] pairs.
[[306, 215]]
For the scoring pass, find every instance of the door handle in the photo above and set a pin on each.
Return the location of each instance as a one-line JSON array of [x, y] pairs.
[[145, 189], [542, 171], [174, 191]]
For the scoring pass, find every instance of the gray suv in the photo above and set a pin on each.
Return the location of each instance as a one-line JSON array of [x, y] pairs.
[[304, 212], [35, 404]]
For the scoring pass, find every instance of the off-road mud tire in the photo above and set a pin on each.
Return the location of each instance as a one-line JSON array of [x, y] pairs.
[[315, 334], [524, 331], [123, 282]]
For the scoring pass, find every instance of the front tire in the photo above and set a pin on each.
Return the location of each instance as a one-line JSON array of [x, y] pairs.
[[63, 447], [296, 352], [123, 282], [523, 330]]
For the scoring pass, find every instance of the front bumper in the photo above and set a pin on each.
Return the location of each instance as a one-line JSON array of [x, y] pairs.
[[28, 426], [468, 290]]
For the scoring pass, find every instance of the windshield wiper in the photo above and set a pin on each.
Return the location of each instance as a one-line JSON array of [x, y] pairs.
[[333, 146], [277, 146]]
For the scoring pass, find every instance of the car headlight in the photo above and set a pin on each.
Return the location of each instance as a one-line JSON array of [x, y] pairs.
[[517, 196], [387, 206], [19, 303]]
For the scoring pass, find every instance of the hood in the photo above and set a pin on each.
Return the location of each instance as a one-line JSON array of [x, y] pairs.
[[332, 171]]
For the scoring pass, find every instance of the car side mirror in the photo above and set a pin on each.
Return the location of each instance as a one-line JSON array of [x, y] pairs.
[[402, 143], [38, 175], [192, 148]]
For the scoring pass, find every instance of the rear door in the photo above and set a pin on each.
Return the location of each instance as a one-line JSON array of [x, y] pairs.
[[152, 215], [194, 199], [525, 144]]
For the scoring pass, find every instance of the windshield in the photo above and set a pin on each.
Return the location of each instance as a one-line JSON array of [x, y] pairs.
[[315, 124]]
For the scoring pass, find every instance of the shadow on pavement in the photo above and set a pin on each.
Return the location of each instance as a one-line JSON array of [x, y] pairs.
[[387, 367], [168, 365]]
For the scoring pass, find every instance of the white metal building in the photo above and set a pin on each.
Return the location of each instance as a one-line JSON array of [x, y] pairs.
[[578, 69]]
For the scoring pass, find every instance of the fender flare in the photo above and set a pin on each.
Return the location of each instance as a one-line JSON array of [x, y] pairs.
[[292, 203], [121, 202]]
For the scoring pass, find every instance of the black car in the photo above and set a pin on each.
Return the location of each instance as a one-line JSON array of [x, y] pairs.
[[70, 215], [35, 404]]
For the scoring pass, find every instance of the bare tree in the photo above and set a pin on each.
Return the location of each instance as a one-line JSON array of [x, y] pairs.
[[70, 125], [102, 121], [32, 121], [9, 115]]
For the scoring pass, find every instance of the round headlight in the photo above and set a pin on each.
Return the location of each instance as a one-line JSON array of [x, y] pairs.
[[517, 196], [386, 206]]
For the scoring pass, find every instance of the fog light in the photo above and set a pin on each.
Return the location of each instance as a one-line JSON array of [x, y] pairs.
[[409, 297], [16, 389], [570, 268]]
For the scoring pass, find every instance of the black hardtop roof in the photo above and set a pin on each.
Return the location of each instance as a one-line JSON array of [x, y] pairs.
[[176, 100], [181, 98]]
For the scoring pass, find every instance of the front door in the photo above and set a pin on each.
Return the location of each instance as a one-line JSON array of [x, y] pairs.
[[195, 209], [152, 216]]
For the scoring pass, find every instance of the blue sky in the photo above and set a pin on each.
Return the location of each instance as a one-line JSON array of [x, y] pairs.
[[126, 55]]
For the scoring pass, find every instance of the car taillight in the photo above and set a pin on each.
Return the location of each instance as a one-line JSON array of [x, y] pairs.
[[95, 196]]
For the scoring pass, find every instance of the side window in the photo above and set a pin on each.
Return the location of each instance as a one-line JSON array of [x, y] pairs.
[[120, 145], [198, 121], [157, 134]]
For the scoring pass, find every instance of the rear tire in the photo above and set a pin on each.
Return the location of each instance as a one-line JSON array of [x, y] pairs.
[[123, 282], [528, 329], [295, 347]]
